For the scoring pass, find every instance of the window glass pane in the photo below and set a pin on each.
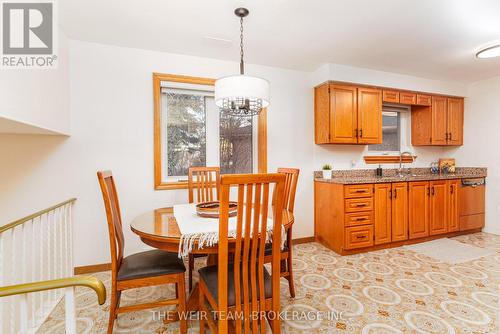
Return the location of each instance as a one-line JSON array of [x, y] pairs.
[[391, 132], [236, 154], [186, 131]]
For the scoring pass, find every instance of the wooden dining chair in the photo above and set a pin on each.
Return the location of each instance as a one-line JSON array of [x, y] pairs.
[[148, 268], [243, 289], [204, 183], [292, 176]]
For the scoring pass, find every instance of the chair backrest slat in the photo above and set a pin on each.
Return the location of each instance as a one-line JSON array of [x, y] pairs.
[[113, 215], [249, 247], [206, 182], [292, 176]]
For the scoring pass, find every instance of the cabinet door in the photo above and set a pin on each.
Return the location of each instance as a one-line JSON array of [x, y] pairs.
[[418, 209], [424, 100], [455, 121], [343, 114], [438, 207], [407, 98], [399, 221], [369, 116], [439, 116], [421, 125], [391, 96], [383, 210], [453, 224]]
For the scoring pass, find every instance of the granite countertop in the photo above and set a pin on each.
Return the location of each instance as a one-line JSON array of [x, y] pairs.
[[359, 176]]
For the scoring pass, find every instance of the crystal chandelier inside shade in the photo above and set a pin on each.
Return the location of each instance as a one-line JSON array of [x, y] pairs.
[[241, 95]]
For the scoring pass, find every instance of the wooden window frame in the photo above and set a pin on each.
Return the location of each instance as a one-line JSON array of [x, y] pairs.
[[157, 79]]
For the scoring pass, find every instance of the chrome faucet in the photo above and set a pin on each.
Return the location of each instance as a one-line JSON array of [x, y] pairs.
[[401, 155]]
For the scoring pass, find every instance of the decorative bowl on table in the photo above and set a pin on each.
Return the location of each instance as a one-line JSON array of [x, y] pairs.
[[211, 209]]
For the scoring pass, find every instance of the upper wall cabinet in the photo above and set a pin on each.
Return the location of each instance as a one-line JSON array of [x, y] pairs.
[[345, 114], [441, 123]]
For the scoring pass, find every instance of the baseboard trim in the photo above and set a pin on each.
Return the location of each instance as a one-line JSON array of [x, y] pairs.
[[303, 240], [95, 268]]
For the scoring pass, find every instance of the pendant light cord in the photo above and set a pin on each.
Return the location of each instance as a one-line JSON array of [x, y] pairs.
[[242, 66]]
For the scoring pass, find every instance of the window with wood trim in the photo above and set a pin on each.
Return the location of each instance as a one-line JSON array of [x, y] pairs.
[[191, 131]]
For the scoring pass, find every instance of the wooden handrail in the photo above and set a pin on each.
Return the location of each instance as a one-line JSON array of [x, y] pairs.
[[34, 215], [87, 281]]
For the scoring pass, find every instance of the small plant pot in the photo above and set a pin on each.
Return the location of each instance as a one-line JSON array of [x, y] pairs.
[[327, 174]]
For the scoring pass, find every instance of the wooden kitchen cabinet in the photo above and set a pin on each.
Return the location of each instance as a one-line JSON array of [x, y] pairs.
[[369, 116], [439, 119], [424, 100], [362, 217], [455, 121], [440, 124], [399, 217], [438, 207], [345, 114], [407, 98], [383, 213], [391, 212], [418, 209], [391, 96], [453, 205]]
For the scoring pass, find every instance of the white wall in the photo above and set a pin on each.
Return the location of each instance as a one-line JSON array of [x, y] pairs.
[[112, 128], [481, 141], [37, 98]]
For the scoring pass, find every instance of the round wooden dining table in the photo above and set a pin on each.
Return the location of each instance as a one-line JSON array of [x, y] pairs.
[[158, 229]]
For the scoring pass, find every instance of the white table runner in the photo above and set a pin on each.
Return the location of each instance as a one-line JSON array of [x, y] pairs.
[[205, 230]]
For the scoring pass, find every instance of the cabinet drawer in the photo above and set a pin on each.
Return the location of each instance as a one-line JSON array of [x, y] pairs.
[[358, 204], [390, 96], [359, 218], [358, 237], [358, 190], [424, 100], [407, 98]]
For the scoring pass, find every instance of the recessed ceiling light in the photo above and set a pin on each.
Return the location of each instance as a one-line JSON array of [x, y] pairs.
[[490, 52]]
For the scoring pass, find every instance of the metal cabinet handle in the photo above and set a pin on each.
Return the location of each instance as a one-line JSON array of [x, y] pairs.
[[361, 133], [361, 236], [433, 191], [360, 205], [395, 193]]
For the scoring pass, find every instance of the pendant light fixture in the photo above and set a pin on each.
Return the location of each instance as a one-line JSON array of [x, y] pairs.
[[241, 95], [490, 52]]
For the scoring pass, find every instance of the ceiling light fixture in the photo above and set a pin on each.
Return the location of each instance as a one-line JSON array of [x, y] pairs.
[[241, 95], [490, 52]]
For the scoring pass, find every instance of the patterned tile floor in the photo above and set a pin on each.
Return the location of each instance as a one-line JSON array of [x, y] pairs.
[[387, 291]]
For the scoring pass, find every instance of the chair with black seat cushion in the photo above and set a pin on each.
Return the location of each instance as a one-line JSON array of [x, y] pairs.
[[203, 186], [244, 290], [148, 268], [292, 176]]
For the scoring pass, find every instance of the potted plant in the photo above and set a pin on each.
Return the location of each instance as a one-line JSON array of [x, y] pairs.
[[327, 171]]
